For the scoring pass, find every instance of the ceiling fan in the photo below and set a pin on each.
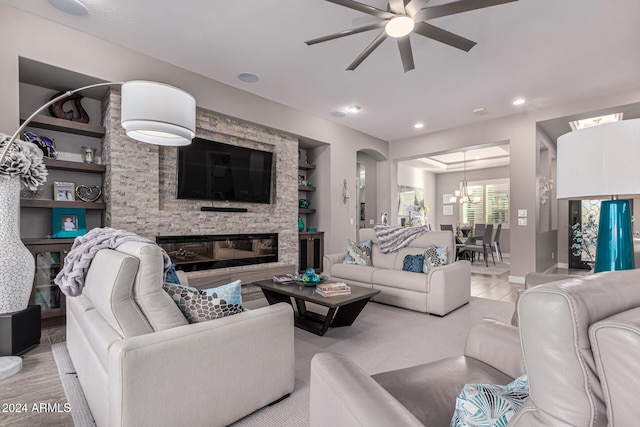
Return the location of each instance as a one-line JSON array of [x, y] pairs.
[[404, 17]]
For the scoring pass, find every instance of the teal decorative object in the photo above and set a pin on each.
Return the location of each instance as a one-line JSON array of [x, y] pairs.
[[614, 249], [304, 203], [310, 272], [300, 224]]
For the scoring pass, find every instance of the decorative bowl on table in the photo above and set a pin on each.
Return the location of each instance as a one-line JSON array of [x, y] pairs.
[[300, 279]]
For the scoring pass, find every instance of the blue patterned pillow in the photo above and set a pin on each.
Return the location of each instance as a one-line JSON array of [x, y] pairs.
[[413, 263], [488, 405], [231, 292], [434, 257], [202, 305], [358, 253]]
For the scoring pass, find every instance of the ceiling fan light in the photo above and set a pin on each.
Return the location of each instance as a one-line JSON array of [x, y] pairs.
[[399, 26]]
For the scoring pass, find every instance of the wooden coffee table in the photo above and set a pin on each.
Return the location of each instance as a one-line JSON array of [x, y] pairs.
[[343, 309]]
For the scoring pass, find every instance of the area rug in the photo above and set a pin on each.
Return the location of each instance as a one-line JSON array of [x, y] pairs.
[[478, 267], [382, 338]]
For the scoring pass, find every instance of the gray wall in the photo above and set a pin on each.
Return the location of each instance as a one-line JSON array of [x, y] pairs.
[[521, 131], [447, 183], [94, 57]]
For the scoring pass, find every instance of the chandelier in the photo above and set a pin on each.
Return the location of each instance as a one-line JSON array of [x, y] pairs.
[[463, 196]]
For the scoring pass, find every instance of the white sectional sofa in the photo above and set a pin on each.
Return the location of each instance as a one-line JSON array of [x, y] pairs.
[[439, 292]]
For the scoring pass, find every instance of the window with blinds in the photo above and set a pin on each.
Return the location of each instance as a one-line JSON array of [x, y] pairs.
[[491, 203]]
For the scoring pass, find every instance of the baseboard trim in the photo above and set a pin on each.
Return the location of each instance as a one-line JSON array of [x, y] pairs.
[[516, 279], [563, 265], [551, 269]]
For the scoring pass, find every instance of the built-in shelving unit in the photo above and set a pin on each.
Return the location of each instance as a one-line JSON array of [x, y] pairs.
[[38, 83]]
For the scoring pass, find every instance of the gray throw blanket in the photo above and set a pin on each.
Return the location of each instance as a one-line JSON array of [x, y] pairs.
[[71, 278], [392, 238]]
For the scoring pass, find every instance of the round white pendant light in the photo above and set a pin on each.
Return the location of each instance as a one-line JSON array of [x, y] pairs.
[[157, 113], [399, 26]]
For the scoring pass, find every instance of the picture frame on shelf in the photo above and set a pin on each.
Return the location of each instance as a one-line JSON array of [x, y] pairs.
[[302, 181], [68, 222], [64, 191]]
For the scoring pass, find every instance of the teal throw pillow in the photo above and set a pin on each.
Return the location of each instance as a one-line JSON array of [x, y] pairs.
[[488, 405], [202, 305], [358, 253], [413, 263], [171, 276]]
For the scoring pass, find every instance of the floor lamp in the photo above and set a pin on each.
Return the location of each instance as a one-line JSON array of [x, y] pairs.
[[151, 112], [601, 162]]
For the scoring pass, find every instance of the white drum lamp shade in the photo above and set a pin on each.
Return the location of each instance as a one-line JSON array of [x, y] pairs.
[[157, 113], [600, 161]]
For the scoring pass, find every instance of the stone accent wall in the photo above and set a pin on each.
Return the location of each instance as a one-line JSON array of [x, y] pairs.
[[140, 184]]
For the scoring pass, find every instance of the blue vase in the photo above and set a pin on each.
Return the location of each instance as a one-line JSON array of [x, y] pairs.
[[614, 249], [300, 224]]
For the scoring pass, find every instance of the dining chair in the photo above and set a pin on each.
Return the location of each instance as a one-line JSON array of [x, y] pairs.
[[483, 246], [496, 242]]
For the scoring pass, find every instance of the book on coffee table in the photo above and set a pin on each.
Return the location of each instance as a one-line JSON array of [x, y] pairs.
[[333, 289], [283, 278]]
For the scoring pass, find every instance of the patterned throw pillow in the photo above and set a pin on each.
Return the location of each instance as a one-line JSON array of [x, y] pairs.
[[488, 405], [202, 305], [434, 257], [413, 263], [358, 253]]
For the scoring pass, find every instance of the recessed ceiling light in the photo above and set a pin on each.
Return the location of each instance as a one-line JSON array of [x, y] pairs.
[[418, 125], [519, 101], [72, 7], [594, 121], [248, 77], [353, 108], [338, 113], [480, 111]]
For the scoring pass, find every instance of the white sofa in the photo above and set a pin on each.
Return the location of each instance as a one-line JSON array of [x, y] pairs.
[[439, 292], [141, 364]]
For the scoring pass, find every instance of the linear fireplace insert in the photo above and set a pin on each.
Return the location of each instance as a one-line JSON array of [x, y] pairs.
[[203, 252]]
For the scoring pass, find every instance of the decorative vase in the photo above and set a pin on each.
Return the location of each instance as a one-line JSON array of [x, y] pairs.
[[89, 154], [300, 224], [17, 266]]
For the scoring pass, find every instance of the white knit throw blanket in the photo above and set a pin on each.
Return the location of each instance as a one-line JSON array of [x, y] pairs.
[[392, 238], [71, 278]]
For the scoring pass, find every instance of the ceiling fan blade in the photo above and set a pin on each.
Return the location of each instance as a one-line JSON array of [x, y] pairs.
[[374, 44], [412, 7], [404, 44], [443, 36], [346, 33], [397, 6], [455, 7], [382, 14]]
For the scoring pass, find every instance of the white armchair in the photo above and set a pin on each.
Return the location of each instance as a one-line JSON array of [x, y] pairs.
[[140, 363]]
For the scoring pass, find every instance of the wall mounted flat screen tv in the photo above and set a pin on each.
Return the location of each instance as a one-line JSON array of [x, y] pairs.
[[209, 170]]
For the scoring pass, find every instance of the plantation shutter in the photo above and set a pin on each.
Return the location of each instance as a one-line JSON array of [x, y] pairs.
[[474, 212], [497, 202]]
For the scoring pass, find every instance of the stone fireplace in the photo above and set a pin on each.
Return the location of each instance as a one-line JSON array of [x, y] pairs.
[[140, 194], [204, 252]]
